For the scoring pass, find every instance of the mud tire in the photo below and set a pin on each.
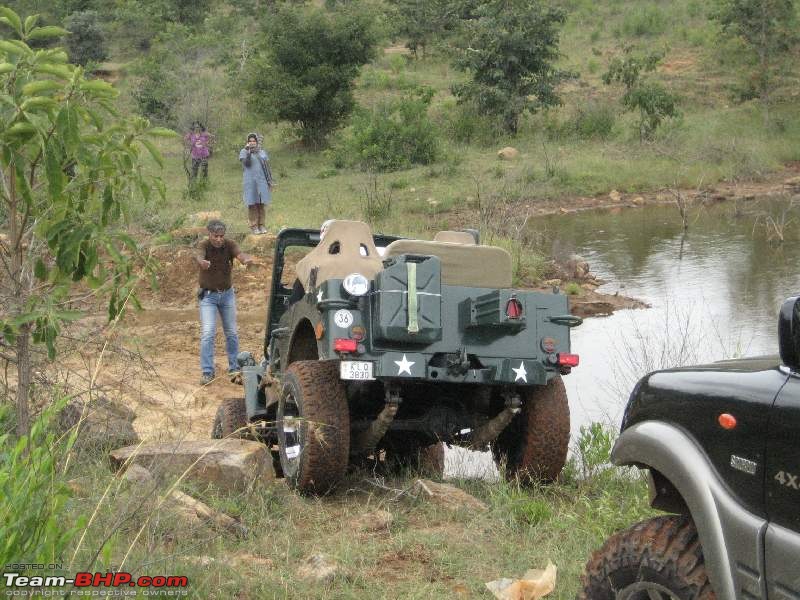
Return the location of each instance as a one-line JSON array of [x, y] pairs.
[[314, 391], [662, 556], [231, 417], [535, 443]]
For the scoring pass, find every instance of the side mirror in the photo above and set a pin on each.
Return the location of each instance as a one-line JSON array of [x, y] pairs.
[[789, 333]]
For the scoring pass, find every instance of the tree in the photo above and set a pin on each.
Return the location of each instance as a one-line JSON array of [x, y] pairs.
[[650, 98], [421, 21], [86, 41], [508, 49], [69, 170], [768, 29], [304, 70]]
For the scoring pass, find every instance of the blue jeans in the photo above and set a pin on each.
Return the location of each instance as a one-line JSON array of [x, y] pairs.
[[225, 304]]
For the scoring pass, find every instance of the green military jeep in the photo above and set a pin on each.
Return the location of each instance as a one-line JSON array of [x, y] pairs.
[[377, 345]]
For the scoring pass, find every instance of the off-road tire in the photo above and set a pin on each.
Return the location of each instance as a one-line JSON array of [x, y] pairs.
[[535, 443], [323, 426], [231, 417], [663, 554]]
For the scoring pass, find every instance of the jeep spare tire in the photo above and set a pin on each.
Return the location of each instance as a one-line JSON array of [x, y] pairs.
[[535, 443], [313, 426]]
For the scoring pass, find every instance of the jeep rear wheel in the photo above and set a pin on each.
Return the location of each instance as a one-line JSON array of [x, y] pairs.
[[535, 443], [231, 417], [660, 558], [313, 426]]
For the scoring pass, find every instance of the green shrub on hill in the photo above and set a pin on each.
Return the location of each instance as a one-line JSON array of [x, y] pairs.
[[303, 71], [394, 135], [86, 41], [509, 74]]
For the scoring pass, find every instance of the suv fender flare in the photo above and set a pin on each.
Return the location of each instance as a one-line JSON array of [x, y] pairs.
[[730, 535]]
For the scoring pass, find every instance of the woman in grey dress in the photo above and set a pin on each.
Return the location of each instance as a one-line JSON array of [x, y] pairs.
[[257, 182]]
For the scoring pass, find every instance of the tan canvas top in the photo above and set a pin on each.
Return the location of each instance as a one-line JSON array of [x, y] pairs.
[[473, 266], [339, 253]]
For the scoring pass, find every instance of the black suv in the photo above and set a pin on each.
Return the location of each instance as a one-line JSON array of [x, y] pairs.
[[721, 443]]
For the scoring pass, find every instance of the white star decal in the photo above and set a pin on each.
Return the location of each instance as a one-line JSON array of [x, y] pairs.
[[319, 296], [520, 373], [404, 365]]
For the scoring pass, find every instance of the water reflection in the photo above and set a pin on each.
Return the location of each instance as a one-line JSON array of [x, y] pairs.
[[715, 292]]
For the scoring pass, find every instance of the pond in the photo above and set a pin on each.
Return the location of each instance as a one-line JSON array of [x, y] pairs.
[[714, 291]]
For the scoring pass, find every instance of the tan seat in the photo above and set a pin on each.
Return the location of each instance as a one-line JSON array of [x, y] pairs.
[[472, 266], [455, 237], [347, 247]]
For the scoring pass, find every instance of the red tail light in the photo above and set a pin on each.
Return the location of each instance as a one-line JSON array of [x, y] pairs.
[[345, 345], [568, 360], [514, 309]]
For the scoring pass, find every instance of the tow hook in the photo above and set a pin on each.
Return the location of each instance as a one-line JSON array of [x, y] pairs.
[[488, 432], [368, 439]]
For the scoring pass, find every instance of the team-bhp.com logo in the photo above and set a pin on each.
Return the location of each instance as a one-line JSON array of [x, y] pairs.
[[156, 584]]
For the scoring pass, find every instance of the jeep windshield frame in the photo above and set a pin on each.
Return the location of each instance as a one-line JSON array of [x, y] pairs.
[[279, 293]]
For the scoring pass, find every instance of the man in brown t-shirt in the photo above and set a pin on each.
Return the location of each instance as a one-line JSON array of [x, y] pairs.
[[216, 295]]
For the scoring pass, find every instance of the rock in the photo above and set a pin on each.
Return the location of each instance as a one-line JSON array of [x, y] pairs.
[[577, 267], [376, 520], [101, 423], [318, 568], [229, 464], [195, 510], [448, 496], [508, 153], [615, 195], [139, 475], [204, 217], [638, 201], [534, 584]]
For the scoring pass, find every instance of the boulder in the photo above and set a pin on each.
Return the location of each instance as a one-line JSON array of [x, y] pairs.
[[577, 267], [508, 153], [447, 496], [101, 423], [615, 195], [227, 464], [638, 201]]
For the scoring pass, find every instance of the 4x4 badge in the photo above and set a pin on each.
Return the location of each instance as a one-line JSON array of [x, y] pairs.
[[742, 464]]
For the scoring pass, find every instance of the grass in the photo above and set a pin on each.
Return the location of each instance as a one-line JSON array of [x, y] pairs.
[[427, 551]]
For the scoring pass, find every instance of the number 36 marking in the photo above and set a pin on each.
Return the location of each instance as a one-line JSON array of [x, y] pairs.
[[787, 479]]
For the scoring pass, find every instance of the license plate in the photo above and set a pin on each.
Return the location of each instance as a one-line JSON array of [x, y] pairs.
[[355, 370]]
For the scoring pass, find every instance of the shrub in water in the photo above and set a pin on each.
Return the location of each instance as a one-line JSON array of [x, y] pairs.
[[395, 135]]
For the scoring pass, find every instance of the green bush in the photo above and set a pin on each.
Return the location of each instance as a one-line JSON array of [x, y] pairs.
[[86, 42], [304, 70], [157, 91], [462, 123], [593, 121], [395, 135], [33, 493], [643, 21]]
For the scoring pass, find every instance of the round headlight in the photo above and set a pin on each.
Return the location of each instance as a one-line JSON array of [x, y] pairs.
[[356, 284]]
